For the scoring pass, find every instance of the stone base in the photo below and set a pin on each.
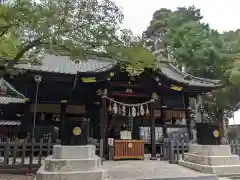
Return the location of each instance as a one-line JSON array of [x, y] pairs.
[[222, 170], [210, 150], [66, 165], [73, 152], [72, 163], [212, 159]]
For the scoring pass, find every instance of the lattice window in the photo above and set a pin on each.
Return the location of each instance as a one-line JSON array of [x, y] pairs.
[[129, 123]]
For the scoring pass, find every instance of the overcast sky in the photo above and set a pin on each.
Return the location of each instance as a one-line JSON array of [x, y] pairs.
[[221, 15]]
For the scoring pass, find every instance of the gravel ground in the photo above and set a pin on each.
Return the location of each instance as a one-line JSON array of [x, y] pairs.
[[15, 177]]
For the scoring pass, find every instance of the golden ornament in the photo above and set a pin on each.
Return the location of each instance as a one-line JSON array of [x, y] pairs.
[[77, 131], [130, 145], [216, 133]]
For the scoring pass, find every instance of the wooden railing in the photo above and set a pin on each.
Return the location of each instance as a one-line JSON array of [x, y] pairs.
[[235, 147], [22, 156], [26, 156]]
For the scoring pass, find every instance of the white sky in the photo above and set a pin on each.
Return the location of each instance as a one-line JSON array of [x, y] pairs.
[[221, 15]]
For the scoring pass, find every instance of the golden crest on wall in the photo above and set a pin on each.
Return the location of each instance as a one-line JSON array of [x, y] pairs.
[[216, 133], [88, 79], [77, 131], [176, 88]]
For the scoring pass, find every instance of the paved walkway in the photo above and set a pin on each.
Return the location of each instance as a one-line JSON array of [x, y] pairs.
[[145, 170], [15, 177], [148, 169]]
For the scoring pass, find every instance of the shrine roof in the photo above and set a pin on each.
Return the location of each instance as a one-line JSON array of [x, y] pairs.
[[11, 95], [11, 100], [172, 72], [10, 123], [63, 64]]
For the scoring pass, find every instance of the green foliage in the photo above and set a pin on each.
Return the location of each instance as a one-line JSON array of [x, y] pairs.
[[79, 29], [180, 35], [131, 53], [76, 28], [165, 21]]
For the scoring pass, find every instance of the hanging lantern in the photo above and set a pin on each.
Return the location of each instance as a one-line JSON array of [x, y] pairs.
[[142, 110], [147, 111], [138, 110], [119, 109], [115, 108], [133, 111], [3, 90], [123, 110], [110, 107], [129, 111]]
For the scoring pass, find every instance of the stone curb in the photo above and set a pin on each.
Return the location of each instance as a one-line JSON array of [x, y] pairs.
[[210, 177]]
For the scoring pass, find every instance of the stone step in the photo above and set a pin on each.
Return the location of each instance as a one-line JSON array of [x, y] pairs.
[[66, 165], [72, 175], [212, 160], [223, 170], [210, 150], [73, 152]]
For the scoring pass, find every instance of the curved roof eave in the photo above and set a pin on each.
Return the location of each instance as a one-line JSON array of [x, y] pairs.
[[172, 72]]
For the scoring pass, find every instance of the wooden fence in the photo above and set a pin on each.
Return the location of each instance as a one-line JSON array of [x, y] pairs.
[[235, 147], [26, 157], [22, 156], [173, 151]]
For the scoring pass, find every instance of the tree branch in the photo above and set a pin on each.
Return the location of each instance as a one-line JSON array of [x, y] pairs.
[[26, 48], [6, 28], [4, 32]]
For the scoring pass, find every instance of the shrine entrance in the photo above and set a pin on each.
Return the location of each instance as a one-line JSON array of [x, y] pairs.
[[123, 117]]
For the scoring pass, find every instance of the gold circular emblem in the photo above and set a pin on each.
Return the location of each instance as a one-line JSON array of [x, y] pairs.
[[112, 74], [77, 131], [129, 145], [216, 133]]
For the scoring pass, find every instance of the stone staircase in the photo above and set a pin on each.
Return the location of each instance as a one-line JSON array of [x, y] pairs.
[[72, 163]]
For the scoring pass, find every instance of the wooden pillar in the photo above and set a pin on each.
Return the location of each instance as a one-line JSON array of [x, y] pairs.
[[27, 112], [153, 134], [163, 119], [105, 127], [25, 127], [104, 124], [187, 116], [63, 108]]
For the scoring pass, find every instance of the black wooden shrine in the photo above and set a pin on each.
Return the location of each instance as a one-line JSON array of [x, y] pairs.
[[78, 83]]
